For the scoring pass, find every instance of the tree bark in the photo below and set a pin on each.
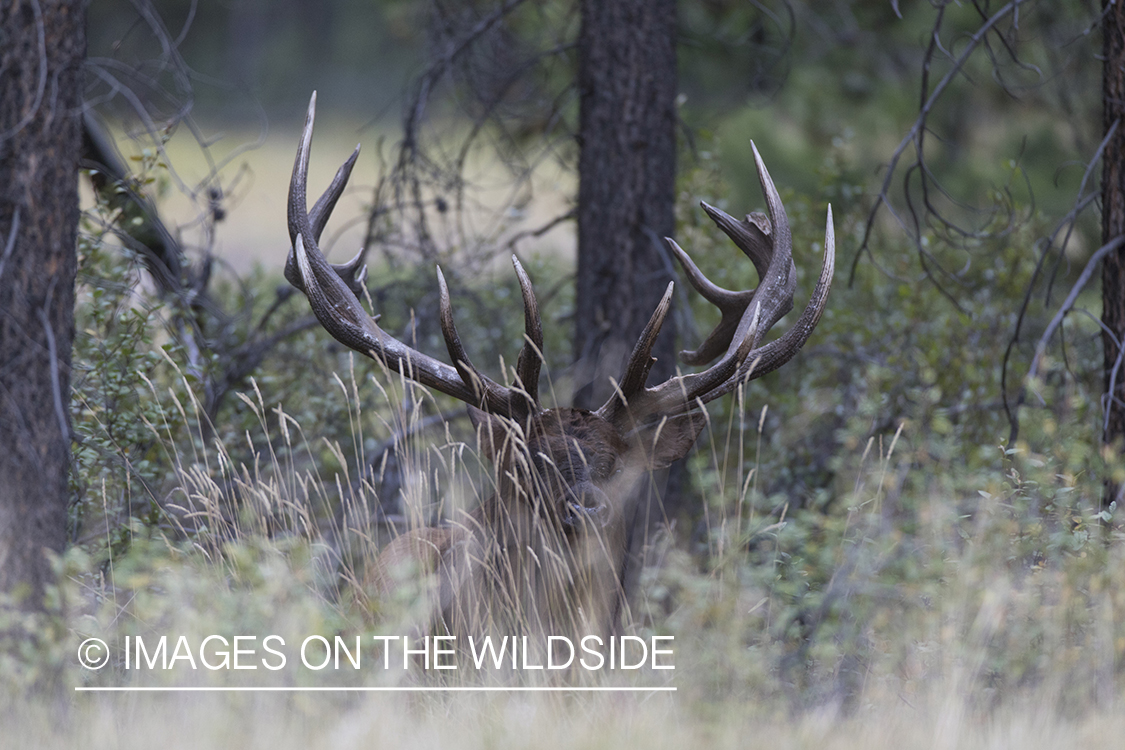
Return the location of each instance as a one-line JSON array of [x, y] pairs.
[[42, 47], [1113, 224], [627, 91], [626, 194]]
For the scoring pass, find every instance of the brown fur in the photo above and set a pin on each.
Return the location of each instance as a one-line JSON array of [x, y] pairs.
[[415, 552], [543, 554]]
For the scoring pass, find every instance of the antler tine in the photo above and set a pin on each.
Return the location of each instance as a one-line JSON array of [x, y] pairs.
[[326, 203], [776, 271], [731, 304], [353, 272], [640, 361], [531, 355], [776, 353], [768, 243], [675, 394], [492, 396], [746, 316], [341, 314], [337, 308], [681, 393]]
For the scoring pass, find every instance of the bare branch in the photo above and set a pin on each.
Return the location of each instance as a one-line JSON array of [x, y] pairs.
[[1056, 321], [917, 130]]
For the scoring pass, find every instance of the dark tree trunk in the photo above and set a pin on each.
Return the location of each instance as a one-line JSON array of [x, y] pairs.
[[1113, 224], [42, 47], [626, 199], [626, 193]]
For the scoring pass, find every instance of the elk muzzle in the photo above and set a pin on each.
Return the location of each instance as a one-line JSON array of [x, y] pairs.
[[585, 503]]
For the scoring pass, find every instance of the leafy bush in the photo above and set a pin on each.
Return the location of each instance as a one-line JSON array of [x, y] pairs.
[[864, 534]]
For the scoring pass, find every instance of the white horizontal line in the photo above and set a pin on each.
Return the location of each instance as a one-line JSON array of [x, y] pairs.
[[466, 689]]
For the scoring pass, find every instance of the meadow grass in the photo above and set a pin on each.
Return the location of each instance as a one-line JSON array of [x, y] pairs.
[[929, 591], [900, 620]]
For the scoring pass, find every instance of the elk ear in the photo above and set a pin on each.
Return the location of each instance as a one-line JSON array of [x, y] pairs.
[[491, 432], [668, 440]]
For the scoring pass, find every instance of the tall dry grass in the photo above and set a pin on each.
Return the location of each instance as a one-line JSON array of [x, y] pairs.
[[933, 611]]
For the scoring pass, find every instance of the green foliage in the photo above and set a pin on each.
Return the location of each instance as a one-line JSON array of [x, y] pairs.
[[865, 534], [119, 461], [866, 531]]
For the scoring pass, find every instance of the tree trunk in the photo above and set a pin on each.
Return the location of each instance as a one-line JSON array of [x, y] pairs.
[[626, 199], [1113, 224], [626, 193], [42, 47]]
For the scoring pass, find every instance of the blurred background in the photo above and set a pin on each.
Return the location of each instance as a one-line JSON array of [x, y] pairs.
[[227, 85], [920, 507], [814, 84]]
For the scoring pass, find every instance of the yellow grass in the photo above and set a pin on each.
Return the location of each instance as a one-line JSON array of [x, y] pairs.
[[926, 686], [279, 722], [926, 680]]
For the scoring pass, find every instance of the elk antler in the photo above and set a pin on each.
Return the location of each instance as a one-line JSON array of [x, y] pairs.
[[746, 316], [332, 292]]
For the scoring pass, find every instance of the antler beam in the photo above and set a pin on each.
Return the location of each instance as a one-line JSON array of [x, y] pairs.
[[746, 315], [333, 292]]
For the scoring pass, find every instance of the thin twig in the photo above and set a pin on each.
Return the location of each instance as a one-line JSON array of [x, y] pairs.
[[1056, 321]]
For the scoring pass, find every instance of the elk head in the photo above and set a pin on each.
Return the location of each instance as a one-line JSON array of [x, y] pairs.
[[563, 467]]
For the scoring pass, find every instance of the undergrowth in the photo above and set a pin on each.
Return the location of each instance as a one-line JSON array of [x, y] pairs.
[[865, 541]]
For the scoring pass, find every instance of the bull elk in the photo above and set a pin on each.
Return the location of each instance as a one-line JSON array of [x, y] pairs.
[[546, 550]]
